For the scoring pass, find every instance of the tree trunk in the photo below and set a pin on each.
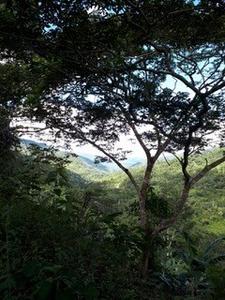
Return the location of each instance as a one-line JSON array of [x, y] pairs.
[[145, 262], [147, 257], [148, 261], [144, 222], [144, 225], [143, 213]]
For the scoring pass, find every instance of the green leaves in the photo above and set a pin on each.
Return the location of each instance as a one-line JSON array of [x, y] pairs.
[[7, 284], [158, 205], [46, 291], [90, 292], [31, 269], [209, 251]]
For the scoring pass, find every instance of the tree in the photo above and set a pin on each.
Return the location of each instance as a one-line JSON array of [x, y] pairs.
[[126, 68], [161, 119]]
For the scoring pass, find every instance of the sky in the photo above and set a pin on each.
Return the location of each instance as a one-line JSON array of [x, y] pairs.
[[126, 142]]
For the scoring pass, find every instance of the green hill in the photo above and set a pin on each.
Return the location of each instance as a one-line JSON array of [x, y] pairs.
[[207, 198], [112, 191]]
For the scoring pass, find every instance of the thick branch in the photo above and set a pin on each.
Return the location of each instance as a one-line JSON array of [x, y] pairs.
[[206, 169], [215, 89], [141, 142], [166, 223], [124, 169]]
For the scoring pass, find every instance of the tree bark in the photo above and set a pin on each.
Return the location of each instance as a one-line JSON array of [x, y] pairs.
[[148, 262], [144, 222], [142, 208]]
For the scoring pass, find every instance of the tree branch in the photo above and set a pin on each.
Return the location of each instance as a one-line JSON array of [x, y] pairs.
[[206, 169], [80, 136], [166, 223]]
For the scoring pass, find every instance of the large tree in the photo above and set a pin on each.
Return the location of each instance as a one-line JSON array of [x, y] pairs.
[[136, 102]]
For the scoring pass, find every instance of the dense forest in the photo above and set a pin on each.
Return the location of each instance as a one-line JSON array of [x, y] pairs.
[[92, 73]]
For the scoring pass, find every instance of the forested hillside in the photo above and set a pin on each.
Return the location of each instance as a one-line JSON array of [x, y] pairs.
[[207, 199], [56, 222]]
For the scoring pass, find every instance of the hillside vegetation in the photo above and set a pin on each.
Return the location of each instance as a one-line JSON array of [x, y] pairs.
[[207, 199], [76, 231]]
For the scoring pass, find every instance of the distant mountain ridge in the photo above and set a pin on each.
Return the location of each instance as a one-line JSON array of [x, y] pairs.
[[28, 142], [89, 160]]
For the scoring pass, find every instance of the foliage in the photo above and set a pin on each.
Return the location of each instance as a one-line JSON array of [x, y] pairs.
[[65, 247], [71, 244], [121, 88], [93, 71]]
